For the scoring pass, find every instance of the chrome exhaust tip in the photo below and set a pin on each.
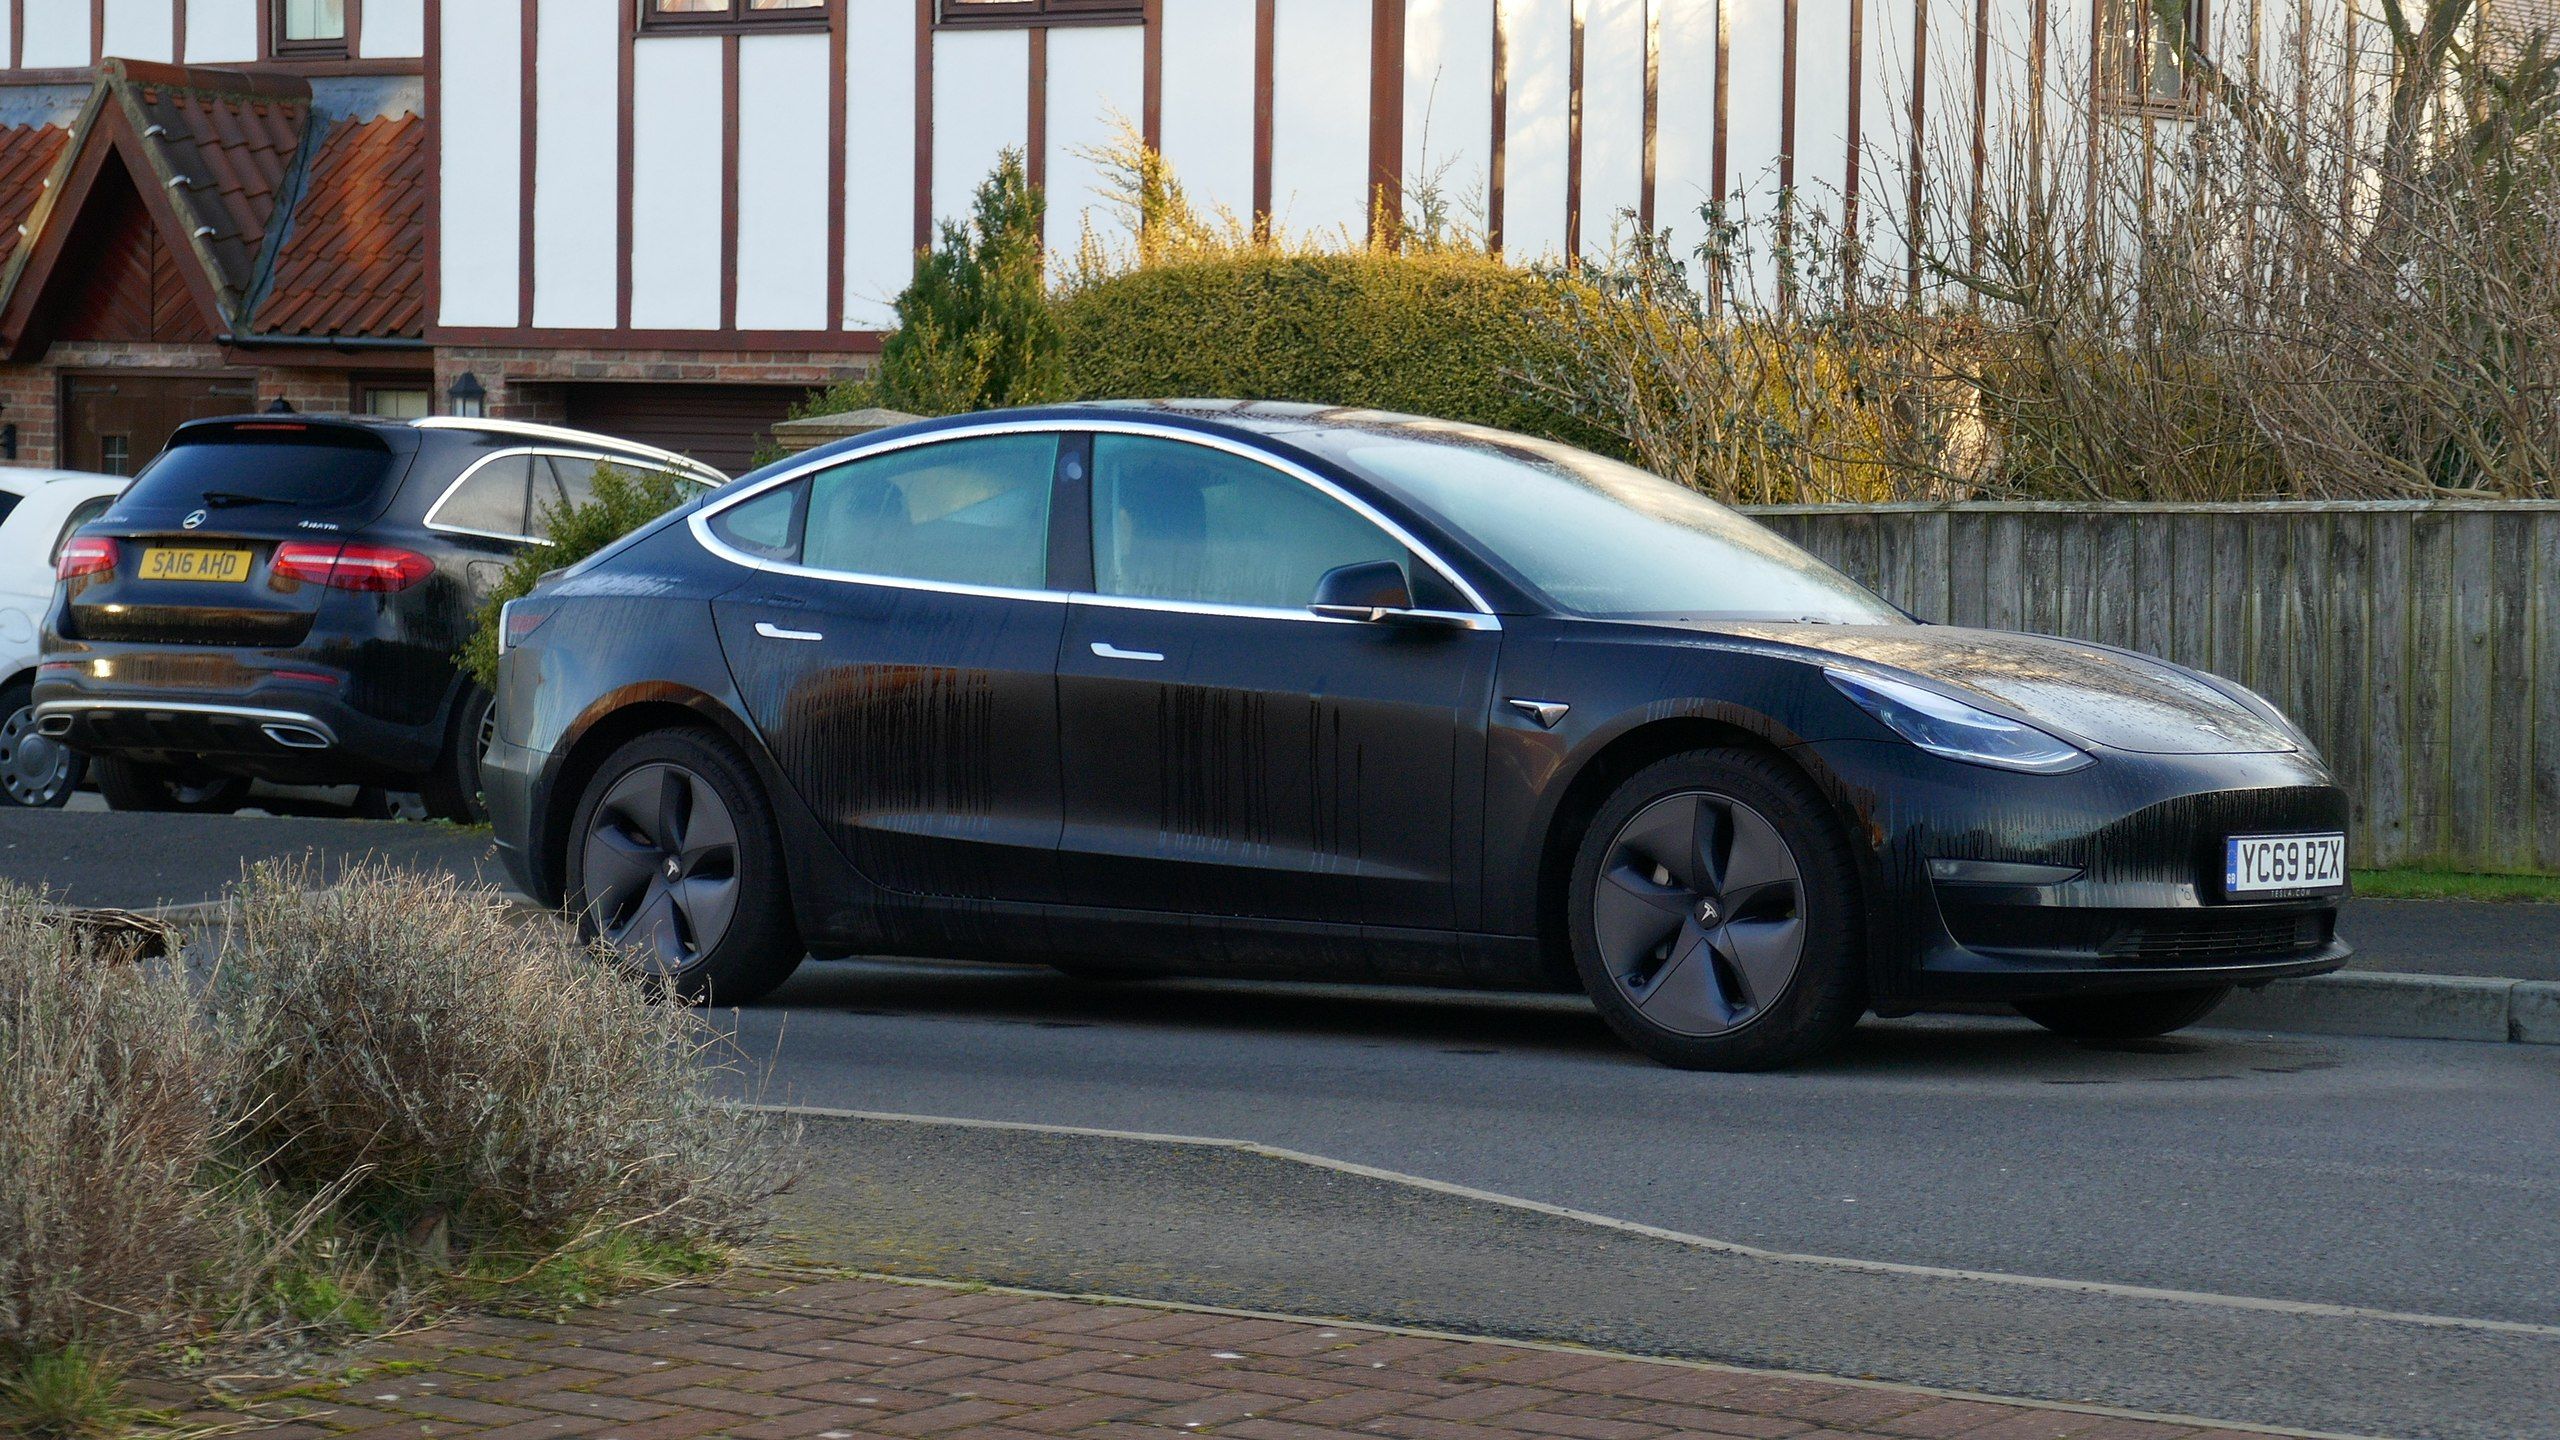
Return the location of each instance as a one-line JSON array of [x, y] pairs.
[[54, 727], [296, 737]]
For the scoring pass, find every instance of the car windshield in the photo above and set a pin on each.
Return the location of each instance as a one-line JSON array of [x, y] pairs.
[[1604, 539]]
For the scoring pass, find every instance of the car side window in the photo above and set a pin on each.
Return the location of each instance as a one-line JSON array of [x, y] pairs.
[[767, 526], [1183, 522], [560, 483], [973, 511], [490, 500]]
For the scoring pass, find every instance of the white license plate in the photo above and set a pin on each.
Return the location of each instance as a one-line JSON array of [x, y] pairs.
[[2284, 864]]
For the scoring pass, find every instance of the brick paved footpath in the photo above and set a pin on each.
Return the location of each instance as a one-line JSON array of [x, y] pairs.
[[769, 1358]]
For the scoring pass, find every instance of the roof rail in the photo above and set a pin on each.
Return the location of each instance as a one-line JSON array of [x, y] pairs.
[[563, 433]]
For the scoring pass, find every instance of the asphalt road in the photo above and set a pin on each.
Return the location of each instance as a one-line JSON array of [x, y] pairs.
[[1256, 1232]]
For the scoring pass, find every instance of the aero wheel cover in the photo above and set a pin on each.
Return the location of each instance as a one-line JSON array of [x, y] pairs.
[[661, 867], [1699, 914], [33, 768]]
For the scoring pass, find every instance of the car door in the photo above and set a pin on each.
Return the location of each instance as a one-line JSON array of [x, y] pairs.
[[1228, 751], [896, 646]]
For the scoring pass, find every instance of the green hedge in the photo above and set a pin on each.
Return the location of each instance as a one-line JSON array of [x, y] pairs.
[[1447, 335]]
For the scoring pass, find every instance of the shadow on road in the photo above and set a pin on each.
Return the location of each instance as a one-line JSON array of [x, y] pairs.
[[1464, 1023]]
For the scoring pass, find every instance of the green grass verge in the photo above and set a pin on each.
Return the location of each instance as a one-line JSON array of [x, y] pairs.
[[2409, 884]]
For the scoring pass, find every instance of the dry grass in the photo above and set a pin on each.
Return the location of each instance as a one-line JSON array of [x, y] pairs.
[[468, 1073], [113, 1111]]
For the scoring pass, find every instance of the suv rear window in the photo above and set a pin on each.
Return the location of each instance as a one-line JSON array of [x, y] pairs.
[[310, 467]]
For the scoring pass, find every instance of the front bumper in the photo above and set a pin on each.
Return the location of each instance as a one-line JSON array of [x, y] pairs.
[[2129, 894]]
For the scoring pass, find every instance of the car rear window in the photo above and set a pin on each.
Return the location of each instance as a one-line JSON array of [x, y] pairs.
[[308, 467]]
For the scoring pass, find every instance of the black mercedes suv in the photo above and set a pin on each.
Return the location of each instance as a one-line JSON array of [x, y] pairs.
[[281, 597]]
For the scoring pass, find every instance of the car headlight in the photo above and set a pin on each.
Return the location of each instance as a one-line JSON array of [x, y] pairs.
[[1948, 727]]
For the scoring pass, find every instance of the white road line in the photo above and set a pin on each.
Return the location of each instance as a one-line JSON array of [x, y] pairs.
[[2311, 1308]]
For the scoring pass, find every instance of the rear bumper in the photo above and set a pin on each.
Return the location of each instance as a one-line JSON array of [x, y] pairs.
[[289, 735]]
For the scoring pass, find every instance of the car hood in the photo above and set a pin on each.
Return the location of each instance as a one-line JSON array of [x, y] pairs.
[[2106, 696]]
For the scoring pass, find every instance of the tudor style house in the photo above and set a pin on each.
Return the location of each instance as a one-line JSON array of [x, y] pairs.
[[671, 218]]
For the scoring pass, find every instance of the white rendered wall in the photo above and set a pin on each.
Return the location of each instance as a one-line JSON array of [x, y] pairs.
[[676, 181], [1613, 64], [1537, 116], [1448, 105], [1097, 85], [782, 192], [879, 159], [577, 162], [981, 108], [1684, 122], [57, 34], [221, 31], [394, 29], [1320, 118], [483, 84], [1208, 102], [138, 29]]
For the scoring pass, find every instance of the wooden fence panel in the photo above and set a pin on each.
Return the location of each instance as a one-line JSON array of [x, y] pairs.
[[2419, 645]]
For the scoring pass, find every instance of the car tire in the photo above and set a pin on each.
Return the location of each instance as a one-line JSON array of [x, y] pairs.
[[452, 789], [2125, 1017], [36, 773], [674, 856], [168, 789], [1737, 862]]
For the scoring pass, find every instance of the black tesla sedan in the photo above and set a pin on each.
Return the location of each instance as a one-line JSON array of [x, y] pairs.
[[1276, 690]]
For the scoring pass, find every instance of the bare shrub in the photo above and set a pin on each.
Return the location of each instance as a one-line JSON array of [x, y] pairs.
[[476, 1075], [113, 1233]]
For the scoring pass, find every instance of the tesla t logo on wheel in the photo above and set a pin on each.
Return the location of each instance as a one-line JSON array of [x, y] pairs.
[[194, 519]]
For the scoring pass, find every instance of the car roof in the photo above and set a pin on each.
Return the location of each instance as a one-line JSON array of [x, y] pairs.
[[404, 434]]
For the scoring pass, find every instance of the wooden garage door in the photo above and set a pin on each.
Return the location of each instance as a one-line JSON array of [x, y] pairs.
[[720, 425], [114, 424]]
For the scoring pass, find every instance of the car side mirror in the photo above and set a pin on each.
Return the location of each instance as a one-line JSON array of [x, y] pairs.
[[1369, 591], [1374, 593]]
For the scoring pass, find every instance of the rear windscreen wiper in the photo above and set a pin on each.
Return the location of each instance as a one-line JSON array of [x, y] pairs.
[[226, 499]]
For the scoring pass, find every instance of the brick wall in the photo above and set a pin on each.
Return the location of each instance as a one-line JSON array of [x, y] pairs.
[[525, 384]]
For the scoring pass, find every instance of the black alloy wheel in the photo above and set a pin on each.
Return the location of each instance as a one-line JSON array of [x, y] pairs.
[[2140, 1016], [673, 861], [1714, 914], [451, 791], [36, 771], [169, 789]]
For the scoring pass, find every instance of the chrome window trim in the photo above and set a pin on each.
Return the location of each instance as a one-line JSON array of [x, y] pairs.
[[563, 451], [582, 439], [1481, 618]]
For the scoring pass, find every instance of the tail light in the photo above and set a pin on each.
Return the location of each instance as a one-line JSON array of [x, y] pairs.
[[85, 555], [351, 567]]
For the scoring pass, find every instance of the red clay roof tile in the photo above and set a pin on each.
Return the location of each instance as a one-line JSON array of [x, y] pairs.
[[354, 261]]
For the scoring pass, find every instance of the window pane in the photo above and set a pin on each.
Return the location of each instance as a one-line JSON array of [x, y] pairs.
[[690, 7], [968, 512], [1173, 521], [315, 19], [768, 525], [785, 4], [398, 404], [492, 500]]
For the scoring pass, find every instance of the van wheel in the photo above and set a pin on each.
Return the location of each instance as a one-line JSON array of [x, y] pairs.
[[132, 785], [452, 790], [36, 772], [673, 858], [1715, 914]]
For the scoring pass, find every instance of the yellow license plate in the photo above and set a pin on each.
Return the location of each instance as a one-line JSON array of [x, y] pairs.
[[187, 563]]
